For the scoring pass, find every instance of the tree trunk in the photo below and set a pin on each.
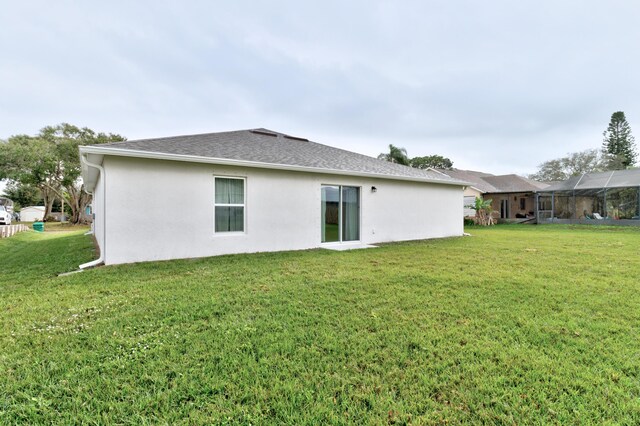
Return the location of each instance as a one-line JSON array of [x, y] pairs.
[[74, 204], [85, 200], [48, 198], [77, 199], [484, 217]]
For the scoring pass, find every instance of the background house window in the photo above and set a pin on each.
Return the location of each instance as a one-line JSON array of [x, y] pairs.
[[523, 203], [229, 204]]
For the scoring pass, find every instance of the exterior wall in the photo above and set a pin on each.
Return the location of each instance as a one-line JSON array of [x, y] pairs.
[[158, 210], [472, 192], [29, 214], [514, 203], [470, 195]]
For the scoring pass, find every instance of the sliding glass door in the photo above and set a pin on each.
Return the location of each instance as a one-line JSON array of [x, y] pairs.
[[350, 213], [340, 213]]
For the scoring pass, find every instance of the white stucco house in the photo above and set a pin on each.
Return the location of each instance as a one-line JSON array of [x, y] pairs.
[[253, 191]]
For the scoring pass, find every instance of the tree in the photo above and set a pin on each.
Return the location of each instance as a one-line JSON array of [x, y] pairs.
[[67, 138], [22, 195], [619, 141], [575, 164], [399, 156], [395, 155], [50, 162], [483, 211], [30, 161], [431, 161]]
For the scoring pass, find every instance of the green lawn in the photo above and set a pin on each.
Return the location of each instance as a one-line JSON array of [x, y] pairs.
[[515, 325]]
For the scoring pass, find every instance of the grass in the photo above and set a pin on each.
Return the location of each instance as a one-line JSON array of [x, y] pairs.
[[515, 325]]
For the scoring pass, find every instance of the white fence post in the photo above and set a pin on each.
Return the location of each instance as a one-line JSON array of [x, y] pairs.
[[11, 230]]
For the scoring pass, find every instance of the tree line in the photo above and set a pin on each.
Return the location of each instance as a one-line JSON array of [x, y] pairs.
[[399, 156], [46, 167]]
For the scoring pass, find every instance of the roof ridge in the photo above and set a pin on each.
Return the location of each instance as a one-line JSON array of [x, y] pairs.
[[190, 135]]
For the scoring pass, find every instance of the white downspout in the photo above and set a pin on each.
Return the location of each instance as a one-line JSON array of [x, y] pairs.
[[100, 259]]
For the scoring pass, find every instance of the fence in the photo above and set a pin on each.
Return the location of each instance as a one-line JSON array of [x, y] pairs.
[[7, 231]]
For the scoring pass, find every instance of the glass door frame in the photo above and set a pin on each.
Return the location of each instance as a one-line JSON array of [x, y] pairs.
[[340, 214]]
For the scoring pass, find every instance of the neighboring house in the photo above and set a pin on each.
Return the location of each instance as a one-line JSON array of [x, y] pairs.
[[476, 187], [611, 197], [256, 190], [32, 214], [513, 196]]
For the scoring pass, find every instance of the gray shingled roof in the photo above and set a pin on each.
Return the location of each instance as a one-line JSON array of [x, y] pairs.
[[266, 146], [488, 183], [473, 177], [514, 183]]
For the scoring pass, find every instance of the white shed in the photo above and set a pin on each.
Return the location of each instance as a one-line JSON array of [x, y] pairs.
[[32, 213], [256, 190]]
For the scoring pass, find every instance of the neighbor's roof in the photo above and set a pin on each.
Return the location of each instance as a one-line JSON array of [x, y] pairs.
[[488, 183], [474, 177], [266, 149], [598, 180], [514, 183]]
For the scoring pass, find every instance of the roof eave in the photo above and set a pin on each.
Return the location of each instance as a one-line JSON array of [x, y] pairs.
[[476, 188], [513, 191], [89, 174], [97, 150]]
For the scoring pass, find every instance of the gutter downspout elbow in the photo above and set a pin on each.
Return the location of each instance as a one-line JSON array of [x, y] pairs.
[[100, 259]]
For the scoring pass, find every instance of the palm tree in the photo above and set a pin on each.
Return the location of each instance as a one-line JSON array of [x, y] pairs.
[[483, 211], [395, 155]]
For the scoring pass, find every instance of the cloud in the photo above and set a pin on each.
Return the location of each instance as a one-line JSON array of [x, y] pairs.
[[498, 86]]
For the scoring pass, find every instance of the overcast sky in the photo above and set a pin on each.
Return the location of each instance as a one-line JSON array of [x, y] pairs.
[[497, 86]]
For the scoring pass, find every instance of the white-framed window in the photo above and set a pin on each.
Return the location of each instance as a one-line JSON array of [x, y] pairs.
[[229, 204]]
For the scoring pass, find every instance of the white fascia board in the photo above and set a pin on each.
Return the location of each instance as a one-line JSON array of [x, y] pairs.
[[255, 164]]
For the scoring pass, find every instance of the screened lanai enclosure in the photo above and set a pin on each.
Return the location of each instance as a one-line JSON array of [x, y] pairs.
[[607, 197]]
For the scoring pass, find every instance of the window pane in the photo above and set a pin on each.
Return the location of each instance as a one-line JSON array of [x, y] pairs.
[[229, 219], [330, 215], [229, 191], [350, 213]]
